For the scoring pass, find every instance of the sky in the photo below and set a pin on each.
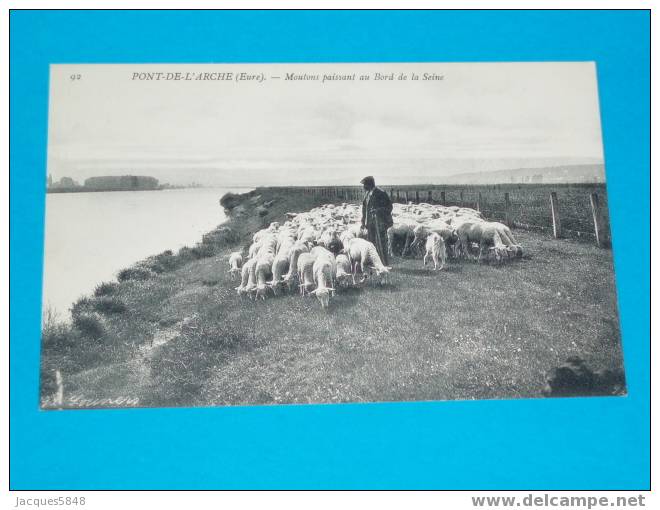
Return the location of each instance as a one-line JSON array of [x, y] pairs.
[[105, 120]]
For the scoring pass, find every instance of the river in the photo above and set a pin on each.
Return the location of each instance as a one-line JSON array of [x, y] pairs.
[[91, 236]]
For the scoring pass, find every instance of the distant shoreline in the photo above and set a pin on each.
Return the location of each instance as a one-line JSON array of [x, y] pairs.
[[76, 190], [94, 190]]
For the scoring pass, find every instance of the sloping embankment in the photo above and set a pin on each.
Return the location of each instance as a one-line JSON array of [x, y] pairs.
[[173, 332]]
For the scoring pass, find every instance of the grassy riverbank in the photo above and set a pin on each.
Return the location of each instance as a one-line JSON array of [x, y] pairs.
[[173, 332]]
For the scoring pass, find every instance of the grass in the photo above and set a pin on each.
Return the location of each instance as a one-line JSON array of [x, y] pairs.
[[470, 331]]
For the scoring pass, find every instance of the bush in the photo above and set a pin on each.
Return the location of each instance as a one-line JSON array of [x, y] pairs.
[[230, 200], [184, 255], [90, 325], [166, 260], [202, 251], [84, 304], [110, 305], [134, 273], [221, 236], [106, 289]]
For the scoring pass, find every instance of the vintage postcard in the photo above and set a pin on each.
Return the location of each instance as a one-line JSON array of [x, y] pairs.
[[326, 233]]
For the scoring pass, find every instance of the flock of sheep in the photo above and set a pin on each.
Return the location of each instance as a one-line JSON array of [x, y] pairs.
[[324, 248]]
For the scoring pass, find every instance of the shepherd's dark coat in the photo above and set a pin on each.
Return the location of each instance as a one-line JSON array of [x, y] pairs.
[[377, 218]]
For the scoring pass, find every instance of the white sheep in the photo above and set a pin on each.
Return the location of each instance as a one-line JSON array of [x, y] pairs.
[[235, 263], [296, 250], [324, 271], [400, 230], [306, 272], [248, 280], [343, 272], [262, 273], [363, 253], [281, 265]]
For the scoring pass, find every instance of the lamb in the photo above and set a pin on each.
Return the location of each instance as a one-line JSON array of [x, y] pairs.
[[248, 277], [323, 271], [235, 263], [486, 235], [363, 253], [435, 248]]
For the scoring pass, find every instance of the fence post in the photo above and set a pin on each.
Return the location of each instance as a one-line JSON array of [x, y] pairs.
[[595, 212], [405, 195], [507, 207], [430, 196], [417, 197], [479, 202], [443, 198], [556, 221], [462, 204]]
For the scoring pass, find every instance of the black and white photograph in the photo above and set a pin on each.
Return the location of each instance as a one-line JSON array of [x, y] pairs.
[[258, 234]]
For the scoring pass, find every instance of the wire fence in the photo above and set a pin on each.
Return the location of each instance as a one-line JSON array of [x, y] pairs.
[[577, 211]]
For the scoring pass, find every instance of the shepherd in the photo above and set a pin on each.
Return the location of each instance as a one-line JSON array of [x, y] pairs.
[[376, 216]]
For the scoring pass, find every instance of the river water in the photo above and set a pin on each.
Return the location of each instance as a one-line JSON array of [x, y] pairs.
[[91, 236]]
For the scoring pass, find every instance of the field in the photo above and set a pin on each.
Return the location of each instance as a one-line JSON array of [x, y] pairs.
[[180, 336]]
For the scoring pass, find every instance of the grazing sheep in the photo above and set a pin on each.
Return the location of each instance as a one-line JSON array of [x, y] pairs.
[[363, 253], [235, 263], [296, 250], [281, 264], [400, 232], [279, 270], [262, 273], [447, 232], [332, 235], [435, 248], [267, 244], [248, 278], [306, 272], [469, 233], [323, 271], [343, 273], [488, 236], [508, 240]]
